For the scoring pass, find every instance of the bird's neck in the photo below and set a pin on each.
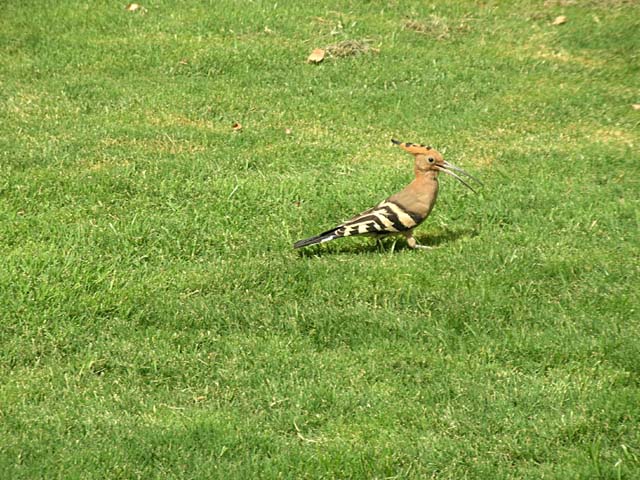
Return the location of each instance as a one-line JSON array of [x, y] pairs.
[[425, 190], [419, 196], [426, 178]]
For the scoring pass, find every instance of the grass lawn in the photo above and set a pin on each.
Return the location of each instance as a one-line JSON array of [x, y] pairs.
[[155, 321]]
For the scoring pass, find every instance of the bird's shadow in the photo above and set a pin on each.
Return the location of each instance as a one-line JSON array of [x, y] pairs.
[[389, 245]]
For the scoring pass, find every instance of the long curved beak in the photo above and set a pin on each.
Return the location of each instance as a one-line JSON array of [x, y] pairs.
[[450, 169]]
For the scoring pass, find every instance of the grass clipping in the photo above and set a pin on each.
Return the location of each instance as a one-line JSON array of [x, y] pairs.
[[346, 48], [350, 48]]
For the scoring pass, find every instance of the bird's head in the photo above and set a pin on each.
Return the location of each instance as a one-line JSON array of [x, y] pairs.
[[430, 160]]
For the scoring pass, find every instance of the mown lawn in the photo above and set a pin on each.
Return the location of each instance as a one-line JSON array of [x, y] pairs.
[[155, 321]]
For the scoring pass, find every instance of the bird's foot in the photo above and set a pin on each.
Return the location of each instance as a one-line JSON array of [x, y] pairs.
[[412, 244]]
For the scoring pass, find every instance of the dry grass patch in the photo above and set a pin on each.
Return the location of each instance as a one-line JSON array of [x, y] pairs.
[[163, 144], [438, 27], [561, 55], [350, 48], [166, 120], [612, 135]]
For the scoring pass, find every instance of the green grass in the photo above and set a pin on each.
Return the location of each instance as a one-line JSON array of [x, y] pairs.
[[156, 323]]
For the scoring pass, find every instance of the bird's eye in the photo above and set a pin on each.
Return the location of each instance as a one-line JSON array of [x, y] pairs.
[[430, 160]]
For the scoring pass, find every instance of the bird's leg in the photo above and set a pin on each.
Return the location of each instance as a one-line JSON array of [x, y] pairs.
[[380, 244], [411, 242], [393, 245]]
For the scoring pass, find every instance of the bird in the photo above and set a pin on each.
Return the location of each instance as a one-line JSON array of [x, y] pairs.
[[402, 212]]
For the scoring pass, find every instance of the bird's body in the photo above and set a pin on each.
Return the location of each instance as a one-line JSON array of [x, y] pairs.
[[401, 212]]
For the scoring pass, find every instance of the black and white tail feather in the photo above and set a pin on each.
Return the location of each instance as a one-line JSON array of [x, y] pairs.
[[323, 237]]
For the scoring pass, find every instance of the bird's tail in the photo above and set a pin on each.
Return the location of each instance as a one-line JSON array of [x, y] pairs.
[[323, 237]]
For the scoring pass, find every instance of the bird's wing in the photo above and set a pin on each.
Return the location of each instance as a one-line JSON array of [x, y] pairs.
[[385, 218]]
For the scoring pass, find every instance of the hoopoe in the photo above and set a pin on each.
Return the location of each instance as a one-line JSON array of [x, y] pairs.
[[403, 211]]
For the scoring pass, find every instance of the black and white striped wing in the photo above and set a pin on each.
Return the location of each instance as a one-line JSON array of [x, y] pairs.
[[383, 219]]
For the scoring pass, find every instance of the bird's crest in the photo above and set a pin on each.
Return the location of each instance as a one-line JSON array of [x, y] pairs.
[[413, 148]]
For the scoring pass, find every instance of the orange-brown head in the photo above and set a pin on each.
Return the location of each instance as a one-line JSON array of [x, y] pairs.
[[429, 159]]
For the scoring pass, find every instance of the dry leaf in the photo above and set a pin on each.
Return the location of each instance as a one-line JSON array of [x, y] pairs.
[[236, 127], [559, 20], [636, 106], [316, 56], [287, 131], [133, 7]]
